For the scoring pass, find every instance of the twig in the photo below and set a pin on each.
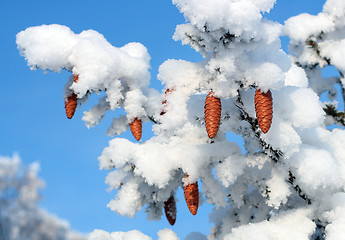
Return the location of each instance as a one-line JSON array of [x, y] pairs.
[[297, 188], [153, 119]]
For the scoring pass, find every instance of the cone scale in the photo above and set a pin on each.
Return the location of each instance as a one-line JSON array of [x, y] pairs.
[[264, 109], [71, 102], [212, 110]]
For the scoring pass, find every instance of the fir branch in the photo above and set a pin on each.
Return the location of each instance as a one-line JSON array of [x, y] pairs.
[[342, 86], [274, 154], [338, 116], [153, 120], [297, 188], [313, 44]]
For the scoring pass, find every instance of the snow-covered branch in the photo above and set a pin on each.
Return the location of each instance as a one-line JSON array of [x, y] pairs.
[[292, 172]]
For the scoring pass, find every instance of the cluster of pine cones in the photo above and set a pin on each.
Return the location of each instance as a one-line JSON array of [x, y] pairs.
[[71, 104], [263, 108], [212, 110]]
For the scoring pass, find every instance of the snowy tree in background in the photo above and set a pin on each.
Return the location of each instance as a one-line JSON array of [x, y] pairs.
[[20, 218], [289, 183]]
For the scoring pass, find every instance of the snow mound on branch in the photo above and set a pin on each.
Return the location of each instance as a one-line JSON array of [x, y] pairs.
[[321, 36], [238, 16], [122, 73], [236, 35], [191, 157], [335, 215], [88, 54], [296, 224], [299, 106]]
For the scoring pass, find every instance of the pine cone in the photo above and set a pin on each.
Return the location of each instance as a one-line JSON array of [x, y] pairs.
[[191, 195], [136, 128], [71, 102], [75, 78], [264, 109], [170, 210], [164, 102], [71, 105], [212, 110]]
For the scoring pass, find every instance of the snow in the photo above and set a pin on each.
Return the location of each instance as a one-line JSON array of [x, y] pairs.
[[130, 235], [164, 234], [291, 225], [239, 16], [167, 234], [335, 230]]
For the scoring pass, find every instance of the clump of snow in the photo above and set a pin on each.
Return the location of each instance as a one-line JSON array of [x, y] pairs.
[[295, 224], [130, 235], [267, 76], [336, 217], [303, 26], [297, 77], [317, 168], [239, 16], [279, 189], [48, 46], [167, 234], [299, 106]]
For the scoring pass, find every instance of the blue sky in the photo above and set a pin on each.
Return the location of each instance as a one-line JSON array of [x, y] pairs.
[[33, 121]]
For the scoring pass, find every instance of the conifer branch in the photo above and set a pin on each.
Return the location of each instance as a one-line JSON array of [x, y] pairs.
[[274, 154], [338, 116]]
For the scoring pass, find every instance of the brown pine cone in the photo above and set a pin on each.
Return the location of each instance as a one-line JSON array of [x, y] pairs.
[[264, 109], [212, 110], [170, 210], [164, 102], [136, 128], [71, 105], [75, 78], [191, 195], [71, 102]]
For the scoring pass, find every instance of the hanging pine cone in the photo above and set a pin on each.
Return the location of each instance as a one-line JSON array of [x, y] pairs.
[[170, 210], [191, 195], [136, 128], [264, 109], [71, 105], [71, 102], [75, 78], [164, 102], [212, 110]]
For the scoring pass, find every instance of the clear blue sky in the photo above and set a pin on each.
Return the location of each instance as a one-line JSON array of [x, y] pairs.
[[33, 121]]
